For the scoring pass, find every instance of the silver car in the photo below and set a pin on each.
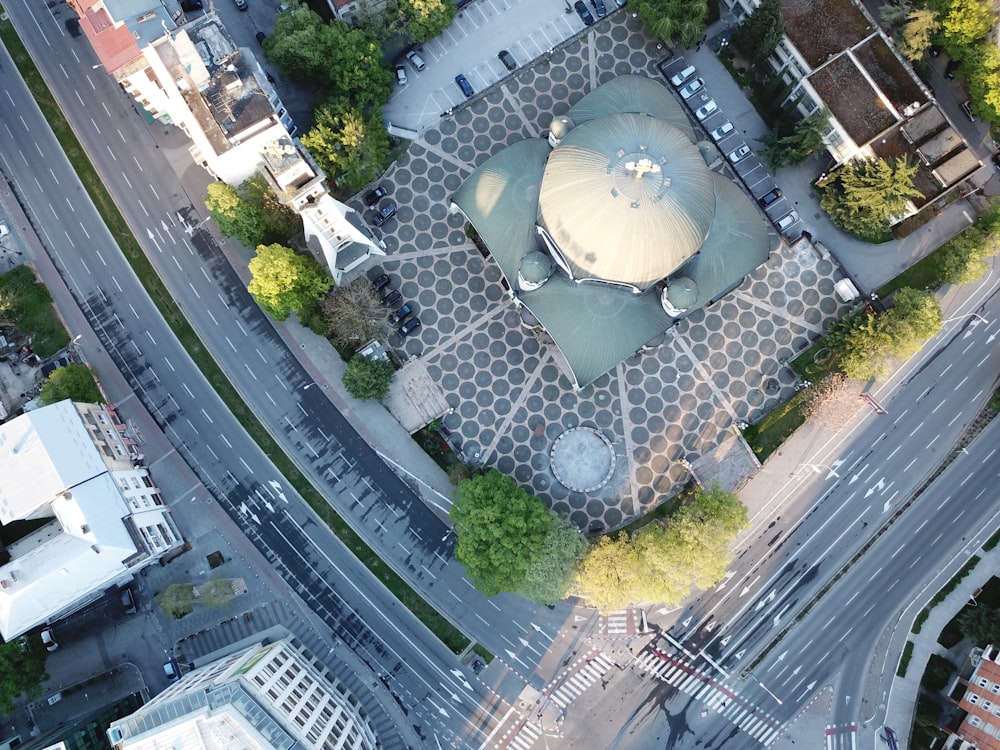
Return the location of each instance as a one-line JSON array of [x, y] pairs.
[[739, 154], [692, 88]]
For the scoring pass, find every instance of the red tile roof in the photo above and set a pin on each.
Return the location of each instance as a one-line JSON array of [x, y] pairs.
[[114, 44]]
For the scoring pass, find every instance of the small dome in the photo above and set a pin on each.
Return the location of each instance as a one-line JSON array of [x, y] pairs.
[[559, 128], [678, 295], [535, 269]]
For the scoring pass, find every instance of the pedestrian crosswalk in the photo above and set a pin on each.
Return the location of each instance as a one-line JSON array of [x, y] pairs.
[[525, 737], [619, 624], [716, 696], [578, 680], [842, 737]]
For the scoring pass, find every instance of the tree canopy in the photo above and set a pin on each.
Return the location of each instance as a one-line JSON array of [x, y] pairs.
[[964, 23], [354, 314], [685, 20], [251, 213], [509, 541], [868, 342], [350, 148], [864, 196], [347, 64], [73, 381], [368, 377], [285, 282], [759, 33], [426, 19], [794, 148], [963, 258], [22, 670], [918, 32], [662, 562]]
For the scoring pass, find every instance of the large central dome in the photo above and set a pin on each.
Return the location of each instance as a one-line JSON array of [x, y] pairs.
[[626, 198]]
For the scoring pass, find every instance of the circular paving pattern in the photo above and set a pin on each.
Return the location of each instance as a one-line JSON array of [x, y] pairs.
[[582, 459]]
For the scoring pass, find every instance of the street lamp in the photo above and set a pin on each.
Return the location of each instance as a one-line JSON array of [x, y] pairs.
[[967, 315], [766, 690]]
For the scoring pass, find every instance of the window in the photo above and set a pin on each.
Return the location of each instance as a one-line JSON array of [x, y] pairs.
[[983, 682], [974, 721], [987, 705], [973, 699], [995, 688]]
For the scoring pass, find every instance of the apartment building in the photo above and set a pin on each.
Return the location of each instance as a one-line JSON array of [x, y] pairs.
[[980, 727]]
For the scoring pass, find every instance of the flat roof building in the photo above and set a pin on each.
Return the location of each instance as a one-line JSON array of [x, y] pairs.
[[275, 696], [71, 466], [980, 729]]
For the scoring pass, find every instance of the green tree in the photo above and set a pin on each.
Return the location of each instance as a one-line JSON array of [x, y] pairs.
[[354, 314], [349, 148], [551, 574], [864, 345], [866, 195], [981, 624], [963, 259], [793, 149], [22, 670], [917, 317], [663, 561], [964, 23], [759, 33], [379, 20], [982, 68], [75, 382], [426, 19], [298, 45], [285, 282], [921, 26], [368, 377], [500, 531], [684, 19], [235, 216]]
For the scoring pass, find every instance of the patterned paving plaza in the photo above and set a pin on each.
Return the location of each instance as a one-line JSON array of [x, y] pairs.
[[511, 401]]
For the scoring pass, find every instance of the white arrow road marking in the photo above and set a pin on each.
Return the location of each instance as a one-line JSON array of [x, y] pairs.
[[777, 617], [461, 676], [513, 656], [725, 641], [739, 654], [878, 486], [725, 579], [746, 589], [277, 488], [767, 599], [833, 468]]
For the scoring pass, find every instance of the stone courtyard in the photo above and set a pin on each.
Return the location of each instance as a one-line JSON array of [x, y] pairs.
[[660, 410]]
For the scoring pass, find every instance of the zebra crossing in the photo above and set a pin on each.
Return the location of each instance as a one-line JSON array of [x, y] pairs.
[[618, 624], [525, 736], [715, 695], [595, 666]]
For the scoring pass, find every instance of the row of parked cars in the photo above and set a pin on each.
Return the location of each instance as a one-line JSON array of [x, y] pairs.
[[691, 89], [401, 315]]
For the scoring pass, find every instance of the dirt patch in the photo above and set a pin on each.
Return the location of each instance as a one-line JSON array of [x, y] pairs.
[[821, 29], [851, 99], [889, 74]]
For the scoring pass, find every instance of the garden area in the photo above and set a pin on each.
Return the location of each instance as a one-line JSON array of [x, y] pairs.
[[27, 313]]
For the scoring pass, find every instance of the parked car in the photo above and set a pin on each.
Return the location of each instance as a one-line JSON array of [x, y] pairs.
[[951, 69], [391, 297], [707, 109], [241, 4], [723, 131], [786, 221], [400, 74], [376, 194], [397, 317], [967, 110], [381, 281], [463, 83], [172, 671], [384, 213], [692, 88], [416, 60], [49, 640], [409, 326], [739, 154], [261, 36], [584, 13], [769, 198], [128, 601], [678, 80], [507, 59], [599, 6]]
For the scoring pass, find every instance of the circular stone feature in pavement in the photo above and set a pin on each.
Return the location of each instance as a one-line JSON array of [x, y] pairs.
[[582, 459]]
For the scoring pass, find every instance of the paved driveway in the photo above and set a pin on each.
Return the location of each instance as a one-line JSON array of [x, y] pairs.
[[502, 378]]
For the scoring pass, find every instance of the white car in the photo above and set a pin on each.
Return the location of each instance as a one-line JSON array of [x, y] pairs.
[[678, 79], [723, 131], [786, 221], [49, 641], [739, 154], [692, 88], [415, 60], [706, 109]]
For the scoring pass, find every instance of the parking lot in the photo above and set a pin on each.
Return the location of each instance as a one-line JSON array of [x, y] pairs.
[[510, 399]]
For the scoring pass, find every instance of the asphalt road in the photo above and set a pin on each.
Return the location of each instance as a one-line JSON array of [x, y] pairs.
[[430, 680]]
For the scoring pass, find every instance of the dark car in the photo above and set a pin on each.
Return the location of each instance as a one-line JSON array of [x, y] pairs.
[[261, 36], [599, 6], [391, 297], [951, 69], [191, 5], [383, 214], [768, 199], [583, 12], [241, 4], [380, 282], [463, 83], [507, 59], [409, 326], [172, 671], [374, 195], [397, 317], [128, 602]]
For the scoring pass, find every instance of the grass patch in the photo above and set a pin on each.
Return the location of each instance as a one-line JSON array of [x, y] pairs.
[[661, 512], [918, 623], [27, 304], [482, 653], [815, 363], [441, 627], [992, 542], [904, 660], [924, 274], [767, 435]]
